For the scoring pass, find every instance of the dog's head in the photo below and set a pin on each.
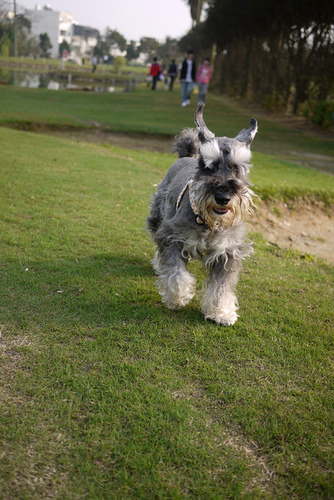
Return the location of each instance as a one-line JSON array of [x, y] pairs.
[[220, 189]]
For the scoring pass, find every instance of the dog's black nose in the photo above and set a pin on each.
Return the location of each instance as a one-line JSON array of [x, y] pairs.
[[222, 198]]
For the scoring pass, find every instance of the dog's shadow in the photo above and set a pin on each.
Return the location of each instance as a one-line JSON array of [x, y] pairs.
[[134, 294], [94, 290]]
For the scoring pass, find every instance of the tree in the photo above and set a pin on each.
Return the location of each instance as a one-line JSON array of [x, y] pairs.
[[28, 45], [22, 26], [196, 7], [197, 40], [149, 46], [113, 37], [64, 45], [100, 47], [274, 53], [45, 44], [6, 20], [169, 50], [132, 51], [110, 39]]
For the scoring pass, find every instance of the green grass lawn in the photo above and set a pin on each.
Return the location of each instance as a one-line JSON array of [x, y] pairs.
[[107, 394], [160, 112]]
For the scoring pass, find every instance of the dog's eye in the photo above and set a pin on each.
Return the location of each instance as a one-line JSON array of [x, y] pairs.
[[234, 169], [215, 165]]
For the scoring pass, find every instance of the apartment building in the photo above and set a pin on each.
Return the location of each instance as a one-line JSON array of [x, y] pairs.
[[84, 40], [59, 26]]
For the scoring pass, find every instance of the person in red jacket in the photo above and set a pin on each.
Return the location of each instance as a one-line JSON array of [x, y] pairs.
[[155, 71]]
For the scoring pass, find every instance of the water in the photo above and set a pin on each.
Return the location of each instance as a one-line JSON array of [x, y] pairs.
[[52, 81]]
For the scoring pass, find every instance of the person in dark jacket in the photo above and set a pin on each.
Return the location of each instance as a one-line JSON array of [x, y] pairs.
[[172, 73], [188, 78]]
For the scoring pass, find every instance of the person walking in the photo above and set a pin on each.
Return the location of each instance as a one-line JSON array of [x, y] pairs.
[[155, 72], [94, 63], [203, 78], [188, 78], [172, 73]]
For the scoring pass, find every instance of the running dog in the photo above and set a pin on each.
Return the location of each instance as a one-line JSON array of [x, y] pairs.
[[197, 213]]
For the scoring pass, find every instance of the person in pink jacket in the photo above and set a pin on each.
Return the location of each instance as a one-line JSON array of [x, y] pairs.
[[203, 78]]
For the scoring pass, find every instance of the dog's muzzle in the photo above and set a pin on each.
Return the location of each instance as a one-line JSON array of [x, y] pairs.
[[222, 199]]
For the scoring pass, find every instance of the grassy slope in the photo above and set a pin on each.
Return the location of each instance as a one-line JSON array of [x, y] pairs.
[[106, 394], [271, 177], [156, 113]]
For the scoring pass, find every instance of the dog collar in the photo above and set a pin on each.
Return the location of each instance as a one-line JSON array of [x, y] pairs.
[[193, 205]]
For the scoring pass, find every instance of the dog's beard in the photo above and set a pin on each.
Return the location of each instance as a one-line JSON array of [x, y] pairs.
[[218, 217]]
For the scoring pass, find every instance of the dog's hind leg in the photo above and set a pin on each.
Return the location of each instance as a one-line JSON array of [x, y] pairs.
[[155, 217], [219, 302], [176, 284]]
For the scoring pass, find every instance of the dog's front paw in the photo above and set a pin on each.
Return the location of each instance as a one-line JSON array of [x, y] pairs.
[[177, 290], [176, 300], [222, 311], [224, 319]]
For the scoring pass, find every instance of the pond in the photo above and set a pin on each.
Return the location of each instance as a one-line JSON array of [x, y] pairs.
[[52, 81]]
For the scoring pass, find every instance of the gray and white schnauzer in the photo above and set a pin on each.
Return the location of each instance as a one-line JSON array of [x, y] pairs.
[[197, 213]]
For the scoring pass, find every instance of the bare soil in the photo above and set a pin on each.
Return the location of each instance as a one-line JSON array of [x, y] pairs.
[[307, 228]]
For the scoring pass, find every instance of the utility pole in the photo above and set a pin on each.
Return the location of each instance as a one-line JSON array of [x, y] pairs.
[[15, 40]]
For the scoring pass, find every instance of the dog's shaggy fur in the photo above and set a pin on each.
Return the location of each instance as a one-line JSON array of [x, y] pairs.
[[197, 213]]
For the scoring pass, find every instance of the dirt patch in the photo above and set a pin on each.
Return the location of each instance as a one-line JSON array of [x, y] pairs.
[[141, 142], [307, 228]]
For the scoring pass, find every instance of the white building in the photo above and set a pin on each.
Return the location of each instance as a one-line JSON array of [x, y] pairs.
[[45, 20], [59, 27], [65, 29], [84, 40]]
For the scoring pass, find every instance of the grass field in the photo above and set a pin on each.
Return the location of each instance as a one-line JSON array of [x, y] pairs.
[[104, 392], [158, 112]]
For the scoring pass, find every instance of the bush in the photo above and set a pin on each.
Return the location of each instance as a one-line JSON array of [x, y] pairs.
[[323, 114], [4, 47], [119, 63]]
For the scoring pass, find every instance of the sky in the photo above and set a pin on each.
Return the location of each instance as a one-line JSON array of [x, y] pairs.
[[134, 19]]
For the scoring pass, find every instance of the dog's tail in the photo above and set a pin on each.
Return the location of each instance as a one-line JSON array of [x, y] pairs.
[[186, 144]]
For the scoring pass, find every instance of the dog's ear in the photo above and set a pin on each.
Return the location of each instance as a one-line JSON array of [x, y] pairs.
[[204, 134], [209, 152], [247, 136]]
